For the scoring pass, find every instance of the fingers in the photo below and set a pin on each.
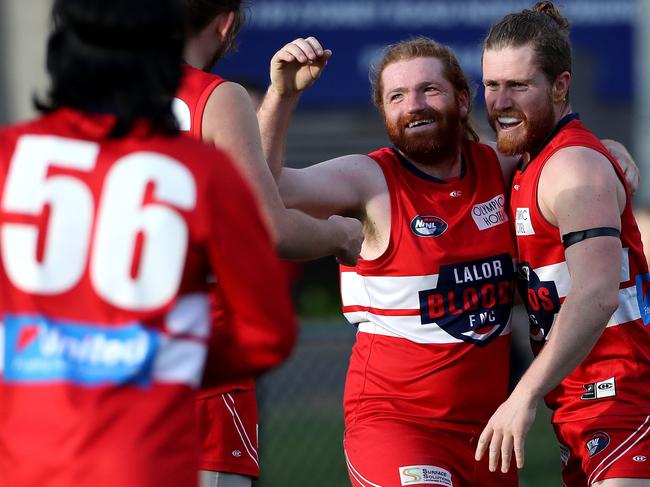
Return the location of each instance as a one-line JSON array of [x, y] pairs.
[[519, 451], [483, 443], [506, 453], [304, 51]]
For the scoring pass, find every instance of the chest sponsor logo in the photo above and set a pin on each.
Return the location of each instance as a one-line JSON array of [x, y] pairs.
[[425, 474], [639, 458], [491, 213], [523, 225], [39, 350], [599, 390], [597, 443], [428, 226], [541, 300], [456, 194], [472, 301]]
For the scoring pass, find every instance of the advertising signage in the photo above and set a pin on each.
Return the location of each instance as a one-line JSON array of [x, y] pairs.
[[356, 30]]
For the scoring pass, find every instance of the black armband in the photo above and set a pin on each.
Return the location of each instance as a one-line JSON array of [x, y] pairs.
[[568, 239]]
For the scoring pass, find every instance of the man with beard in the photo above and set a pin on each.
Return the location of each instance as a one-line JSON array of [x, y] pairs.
[[432, 293], [581, 266], [221, 113]]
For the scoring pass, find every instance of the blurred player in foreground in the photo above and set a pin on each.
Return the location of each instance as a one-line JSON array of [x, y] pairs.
[[111, 224], [581, 266], [221, 112]]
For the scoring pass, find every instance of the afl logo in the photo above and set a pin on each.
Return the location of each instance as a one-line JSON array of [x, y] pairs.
[[597, 443], [428, 226]]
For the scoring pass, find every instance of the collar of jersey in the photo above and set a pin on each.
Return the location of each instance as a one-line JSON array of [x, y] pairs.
[[409, 166], [563, 121]]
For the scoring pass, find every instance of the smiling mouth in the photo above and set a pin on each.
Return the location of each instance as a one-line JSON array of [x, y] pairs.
[[507, 123], [420, 123]]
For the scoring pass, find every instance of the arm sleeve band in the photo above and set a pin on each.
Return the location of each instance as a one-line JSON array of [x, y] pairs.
[[568, 239]]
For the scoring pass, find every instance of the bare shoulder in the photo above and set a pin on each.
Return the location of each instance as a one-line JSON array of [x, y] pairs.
[[358, 170], [579, 166], [228, 107]]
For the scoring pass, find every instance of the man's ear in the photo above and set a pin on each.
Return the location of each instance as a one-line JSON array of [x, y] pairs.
[[223, 24], [561, 87]]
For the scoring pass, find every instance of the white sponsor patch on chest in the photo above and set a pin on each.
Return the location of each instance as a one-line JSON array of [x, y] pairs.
[[523, 225], [491, 213], [425, 474]]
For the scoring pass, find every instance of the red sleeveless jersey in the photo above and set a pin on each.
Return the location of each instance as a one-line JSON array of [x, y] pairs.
[[433, 311], [106, 247], [614, 378], [189, 105]]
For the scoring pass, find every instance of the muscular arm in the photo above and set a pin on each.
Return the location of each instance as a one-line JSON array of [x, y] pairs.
[[229, 121], [261, 328], [578, 190]]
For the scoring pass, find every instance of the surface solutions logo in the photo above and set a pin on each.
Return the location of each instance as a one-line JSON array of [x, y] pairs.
[[425, 474]]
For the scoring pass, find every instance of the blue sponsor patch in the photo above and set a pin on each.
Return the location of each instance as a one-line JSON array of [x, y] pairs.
[[597, 443], [40, 350], [428, 226], [643, 296]]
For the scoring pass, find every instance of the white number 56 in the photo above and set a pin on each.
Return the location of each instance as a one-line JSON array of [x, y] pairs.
[[124, 279]]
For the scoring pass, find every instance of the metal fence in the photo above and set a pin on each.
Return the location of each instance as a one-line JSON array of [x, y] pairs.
[[301, 417]]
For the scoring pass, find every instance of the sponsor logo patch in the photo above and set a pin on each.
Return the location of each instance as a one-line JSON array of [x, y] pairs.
[[491, 213], [425, 474], [473, 300], [428, 226], [597, 443], [643, 296], [38, 349], [599, 390], [639, 458], [523, 225], [565, 454]]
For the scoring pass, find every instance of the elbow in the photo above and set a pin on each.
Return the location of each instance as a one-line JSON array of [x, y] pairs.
[[606, 299]]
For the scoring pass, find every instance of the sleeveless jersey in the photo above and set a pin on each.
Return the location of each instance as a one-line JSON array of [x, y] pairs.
[[106, 245], [192, 95], [613, 379], [433, 311]]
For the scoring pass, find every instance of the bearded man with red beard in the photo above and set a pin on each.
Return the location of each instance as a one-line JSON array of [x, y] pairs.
[[584, 277], [431, 295]]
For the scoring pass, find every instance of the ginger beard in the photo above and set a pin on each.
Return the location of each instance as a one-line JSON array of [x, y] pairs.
[[427, 146], [528, 133]]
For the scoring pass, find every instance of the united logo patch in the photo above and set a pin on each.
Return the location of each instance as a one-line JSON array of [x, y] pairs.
[[428, 226], [597, 443]]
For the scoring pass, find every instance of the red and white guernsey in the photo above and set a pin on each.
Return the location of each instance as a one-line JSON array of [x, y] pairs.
[[106, 245], [192, 95], [433, 312], [613, 379]]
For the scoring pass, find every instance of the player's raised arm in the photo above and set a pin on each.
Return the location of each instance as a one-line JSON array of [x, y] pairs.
[[230, 118]]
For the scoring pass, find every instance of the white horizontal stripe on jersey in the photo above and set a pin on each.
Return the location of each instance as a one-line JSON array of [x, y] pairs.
[[179, 361], [385, 292], [408, 327], [190, 316], [559, 273], [628, 307]]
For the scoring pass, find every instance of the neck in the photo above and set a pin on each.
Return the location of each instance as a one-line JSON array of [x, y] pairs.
[[445, 167], [196, 55], [562, 111]]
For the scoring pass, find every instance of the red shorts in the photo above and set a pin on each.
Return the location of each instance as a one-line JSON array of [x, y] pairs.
[[604, 448], [394, 453], [228, 426]]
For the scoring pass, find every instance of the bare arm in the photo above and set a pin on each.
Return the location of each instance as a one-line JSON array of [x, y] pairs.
[[578, 190], [229, 121]]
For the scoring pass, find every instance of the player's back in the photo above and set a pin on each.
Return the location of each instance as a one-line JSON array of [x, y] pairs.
[[106, 248]]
